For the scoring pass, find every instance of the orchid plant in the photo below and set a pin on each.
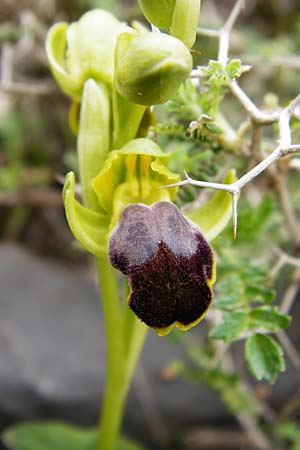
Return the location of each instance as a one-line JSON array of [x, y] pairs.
[[114, 74], [125, 212]]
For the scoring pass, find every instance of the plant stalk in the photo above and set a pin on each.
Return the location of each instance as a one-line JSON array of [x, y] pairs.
[[121, 357], [115, 389]]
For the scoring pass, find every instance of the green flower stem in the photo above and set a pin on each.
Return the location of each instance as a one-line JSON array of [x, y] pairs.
[[135, 333], [138, 336], [127, 119], [115, 389], [125, 336]]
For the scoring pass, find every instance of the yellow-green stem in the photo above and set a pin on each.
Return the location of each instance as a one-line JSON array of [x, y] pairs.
[[115, 389], [121, 357]]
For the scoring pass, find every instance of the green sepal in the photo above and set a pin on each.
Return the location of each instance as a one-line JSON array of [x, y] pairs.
[[185, 20], [83, 50], [264, 357], [214, 215], [158, 12], [91, 46], [88, 227], [56, 436], [55, 49], [180, 16], [134, 174], [93, 137]]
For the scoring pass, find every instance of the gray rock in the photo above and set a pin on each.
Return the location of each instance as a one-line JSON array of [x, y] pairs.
[[52, 356]]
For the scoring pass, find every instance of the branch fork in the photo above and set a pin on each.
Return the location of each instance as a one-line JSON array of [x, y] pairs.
[[258, 117], [284, 148]]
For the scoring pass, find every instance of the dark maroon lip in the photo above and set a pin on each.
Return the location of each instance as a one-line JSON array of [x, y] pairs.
[[168, 263]]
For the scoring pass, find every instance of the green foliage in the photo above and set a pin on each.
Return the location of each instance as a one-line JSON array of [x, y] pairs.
[[269, 318], [207, 369], [244, 295], [56, 436], [217, 79], [290, 432], [233, 392], [217, 75], [241, 283], [232, 325], [264, 357], [186, 104], [255, 223]]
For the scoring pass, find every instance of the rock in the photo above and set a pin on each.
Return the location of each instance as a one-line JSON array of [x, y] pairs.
[[52, 348], [52, 357]]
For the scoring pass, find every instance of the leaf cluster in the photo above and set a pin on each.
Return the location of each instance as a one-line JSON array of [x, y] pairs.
[[217, 78]]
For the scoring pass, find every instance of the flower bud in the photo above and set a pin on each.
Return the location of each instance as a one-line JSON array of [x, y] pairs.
[[83, 50], [181, 17], [152, 67]]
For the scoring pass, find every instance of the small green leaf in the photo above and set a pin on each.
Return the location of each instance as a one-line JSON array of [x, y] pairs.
[[230, 291], [235, 68], [89, 227], [213, 128], [214, 215], [220, 76], [264, 357], [269, 317], [291, 432], [56, 436], [259, 294], [232, 325]]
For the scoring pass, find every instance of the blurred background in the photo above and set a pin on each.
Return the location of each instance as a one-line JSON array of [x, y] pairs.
[[51, 331]]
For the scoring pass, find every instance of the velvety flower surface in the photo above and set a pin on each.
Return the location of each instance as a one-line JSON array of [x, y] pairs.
[[169, 264]]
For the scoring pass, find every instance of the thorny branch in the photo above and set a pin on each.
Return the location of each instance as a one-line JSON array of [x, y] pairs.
[[283, 118], [258, 119], [8, 86]]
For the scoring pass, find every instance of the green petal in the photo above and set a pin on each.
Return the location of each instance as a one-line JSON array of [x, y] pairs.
[[185, 20], [143, 146], [114, 170], [213, 217], [162, 170], [88, 227], [93, 137], [55, 50]]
